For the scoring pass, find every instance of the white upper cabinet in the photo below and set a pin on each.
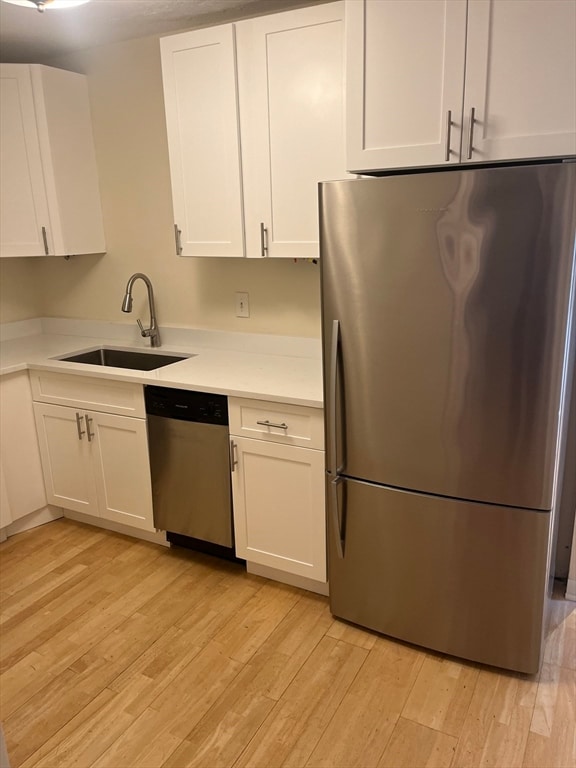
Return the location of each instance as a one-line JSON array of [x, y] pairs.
[[404, 82], [290, 78], [200, 95], [49, 195], [431, 82], [520, 79], [254, 114]]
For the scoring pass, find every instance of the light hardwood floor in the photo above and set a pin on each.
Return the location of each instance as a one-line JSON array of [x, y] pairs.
[[116, 652]]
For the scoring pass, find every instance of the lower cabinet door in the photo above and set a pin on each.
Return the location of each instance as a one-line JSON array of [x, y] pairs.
[[66, 458], [121, 468], [19, 453], [278, 493]]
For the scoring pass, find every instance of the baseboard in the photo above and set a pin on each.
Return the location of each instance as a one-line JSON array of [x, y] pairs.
[[155, 537], [39, 517], [320, 587]]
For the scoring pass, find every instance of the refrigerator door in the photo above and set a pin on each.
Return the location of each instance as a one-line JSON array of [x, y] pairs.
[[464, 578], [451, 291]]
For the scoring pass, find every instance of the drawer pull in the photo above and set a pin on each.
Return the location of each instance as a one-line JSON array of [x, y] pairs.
[[267, 423]]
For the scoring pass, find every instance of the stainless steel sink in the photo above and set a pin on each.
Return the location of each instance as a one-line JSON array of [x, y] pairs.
[[124, 358]]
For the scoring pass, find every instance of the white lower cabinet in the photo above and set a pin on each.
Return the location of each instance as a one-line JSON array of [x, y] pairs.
[[94, 462], [278, 487], [21, 482]]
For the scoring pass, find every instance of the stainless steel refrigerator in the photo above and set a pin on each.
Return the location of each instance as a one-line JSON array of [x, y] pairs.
[[447, 304]]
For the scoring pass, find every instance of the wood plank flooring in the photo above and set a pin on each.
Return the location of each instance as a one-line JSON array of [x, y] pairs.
[[116, 652]]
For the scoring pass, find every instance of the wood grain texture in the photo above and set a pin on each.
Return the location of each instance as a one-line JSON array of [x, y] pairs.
[[118, 653]]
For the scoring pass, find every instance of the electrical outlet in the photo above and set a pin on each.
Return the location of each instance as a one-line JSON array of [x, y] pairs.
[[242, 304]]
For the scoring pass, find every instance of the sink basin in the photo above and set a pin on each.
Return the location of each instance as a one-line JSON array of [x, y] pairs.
[[124, 358]]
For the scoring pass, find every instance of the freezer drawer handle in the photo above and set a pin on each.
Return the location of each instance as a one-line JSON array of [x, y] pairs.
[[336, 517], [267, 423]]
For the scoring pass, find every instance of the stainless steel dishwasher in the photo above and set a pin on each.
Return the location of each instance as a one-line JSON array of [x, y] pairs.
[[190, 465]]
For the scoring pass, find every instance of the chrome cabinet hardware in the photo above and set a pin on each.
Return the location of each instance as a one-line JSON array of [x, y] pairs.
[[88, 423], [233, 459], [448, 133], [79, 425], [263, 240], [471, 133], [267, 423], [177, 233], [45, 239]]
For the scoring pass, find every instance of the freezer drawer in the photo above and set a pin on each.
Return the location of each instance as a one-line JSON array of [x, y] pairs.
[[465, 578]]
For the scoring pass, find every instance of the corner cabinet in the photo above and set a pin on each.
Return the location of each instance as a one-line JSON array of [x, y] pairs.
[[432, 82], [278, 487], [254, 114], [94, 458], [49, 194], [21, 480]]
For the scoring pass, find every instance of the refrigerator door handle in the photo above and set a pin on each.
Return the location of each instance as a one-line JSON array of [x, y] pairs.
[[336, 525], [333, 409]]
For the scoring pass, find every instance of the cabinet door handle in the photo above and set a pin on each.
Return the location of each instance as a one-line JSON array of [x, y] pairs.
[[233, 459], [267, 423], [448, 133], [471, 133], [45, 239], [263, 240], [177, 233], [79, 425], [88, 422]]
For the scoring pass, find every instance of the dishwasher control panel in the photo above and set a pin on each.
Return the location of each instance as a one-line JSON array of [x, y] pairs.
[[186, 405]]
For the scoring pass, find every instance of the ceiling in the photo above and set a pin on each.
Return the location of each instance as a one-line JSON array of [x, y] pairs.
[[32, 37]]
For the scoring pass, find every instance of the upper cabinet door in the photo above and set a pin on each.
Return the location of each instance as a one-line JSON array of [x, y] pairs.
[[520, 79], [290, 77], [24, 207], [199, 74], [50, 198], [404, 82]]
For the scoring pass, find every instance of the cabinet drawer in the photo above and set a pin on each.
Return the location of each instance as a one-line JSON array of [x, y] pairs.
[[86, 392], [277, 422]]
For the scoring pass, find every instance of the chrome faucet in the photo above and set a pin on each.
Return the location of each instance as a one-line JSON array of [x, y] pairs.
[[152, 332]]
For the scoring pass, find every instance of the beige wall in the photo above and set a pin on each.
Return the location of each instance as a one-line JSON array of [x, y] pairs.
[[130, 137], [19, 289]]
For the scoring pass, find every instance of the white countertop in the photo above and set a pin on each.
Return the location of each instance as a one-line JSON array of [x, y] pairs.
[[281, 369]]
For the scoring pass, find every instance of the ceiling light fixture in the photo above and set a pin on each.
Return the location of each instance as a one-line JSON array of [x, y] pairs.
[[42, 5]]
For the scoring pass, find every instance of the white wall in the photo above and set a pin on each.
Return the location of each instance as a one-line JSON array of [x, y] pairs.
[[130, 137]]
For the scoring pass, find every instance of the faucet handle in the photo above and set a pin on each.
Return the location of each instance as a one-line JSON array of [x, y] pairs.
[[143, 330]]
